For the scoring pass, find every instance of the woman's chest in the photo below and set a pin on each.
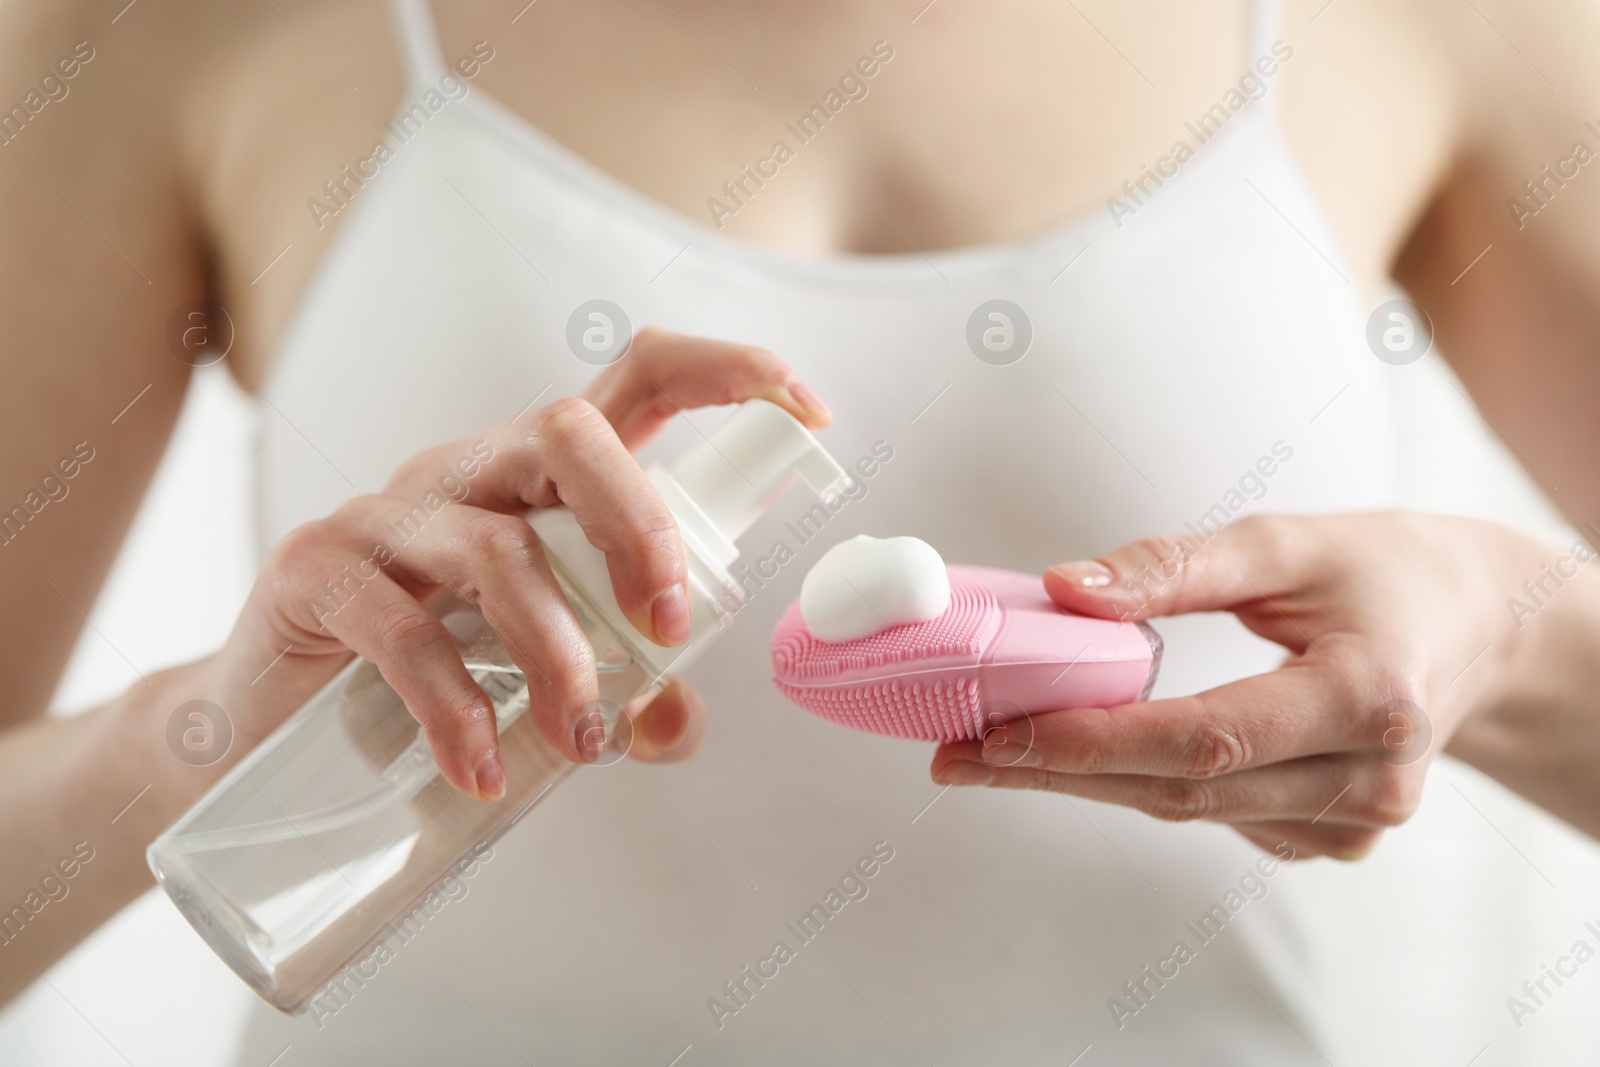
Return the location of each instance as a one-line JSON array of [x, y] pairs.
[[826, 132], [1100, 382]]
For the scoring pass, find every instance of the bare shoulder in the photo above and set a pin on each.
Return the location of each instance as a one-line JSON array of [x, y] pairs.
[[116, 54], [1530, 90], [210, 122], [1522, 175], [98, 238], [291, 91], [1400, 99], [1507, 51]]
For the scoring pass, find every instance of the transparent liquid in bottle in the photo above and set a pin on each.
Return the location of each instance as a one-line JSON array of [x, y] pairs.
[[299, 861], [321, 843]]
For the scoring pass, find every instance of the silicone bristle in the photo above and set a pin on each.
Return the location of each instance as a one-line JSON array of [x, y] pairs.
[[937, 712], [918, 681]]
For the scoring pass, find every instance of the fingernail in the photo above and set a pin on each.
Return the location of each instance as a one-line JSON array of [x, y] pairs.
[[963, 773], [1086, 573], [670, 616], [491, 779], [806, 398]]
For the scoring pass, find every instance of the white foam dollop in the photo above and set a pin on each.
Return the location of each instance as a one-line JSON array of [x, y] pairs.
[[866, 585]]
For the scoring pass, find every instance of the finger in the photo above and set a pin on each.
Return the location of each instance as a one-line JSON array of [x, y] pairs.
[[1363, 791], [419, 659], [1302, 709], [567, 453], [518, 464], [1340, 841], [670, 727], [1252, 559], [1259, 794], [664, 373], [496, 563]]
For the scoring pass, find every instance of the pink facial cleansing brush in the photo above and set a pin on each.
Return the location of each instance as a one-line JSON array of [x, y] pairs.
[[1001, 650]]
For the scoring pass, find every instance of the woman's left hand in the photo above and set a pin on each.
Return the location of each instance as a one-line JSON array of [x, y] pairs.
[[1398, 630]]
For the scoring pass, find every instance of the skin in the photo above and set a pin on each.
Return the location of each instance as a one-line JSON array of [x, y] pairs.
[[1400, 646], [180, 164]]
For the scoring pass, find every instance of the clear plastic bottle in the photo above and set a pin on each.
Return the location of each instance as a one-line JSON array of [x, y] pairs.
[[301, 860]]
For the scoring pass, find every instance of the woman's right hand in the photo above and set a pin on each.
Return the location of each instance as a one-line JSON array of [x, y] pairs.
[[348, 584]]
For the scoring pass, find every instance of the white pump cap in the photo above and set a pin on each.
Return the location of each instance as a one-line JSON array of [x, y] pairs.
[[740, 470]]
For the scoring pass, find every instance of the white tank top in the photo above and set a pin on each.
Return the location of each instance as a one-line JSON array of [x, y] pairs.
[[1171, 350]]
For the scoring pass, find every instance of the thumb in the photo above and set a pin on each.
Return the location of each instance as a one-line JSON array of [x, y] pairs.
[[1252, 559]]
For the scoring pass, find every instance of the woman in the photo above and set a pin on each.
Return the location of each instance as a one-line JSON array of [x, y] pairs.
[[388, 278]]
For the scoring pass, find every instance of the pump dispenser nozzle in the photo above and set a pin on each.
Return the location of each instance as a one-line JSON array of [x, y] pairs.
[[749, 461]]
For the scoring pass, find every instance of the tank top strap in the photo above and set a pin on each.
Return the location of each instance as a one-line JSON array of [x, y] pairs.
[[1266, 18], [419, 42]]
